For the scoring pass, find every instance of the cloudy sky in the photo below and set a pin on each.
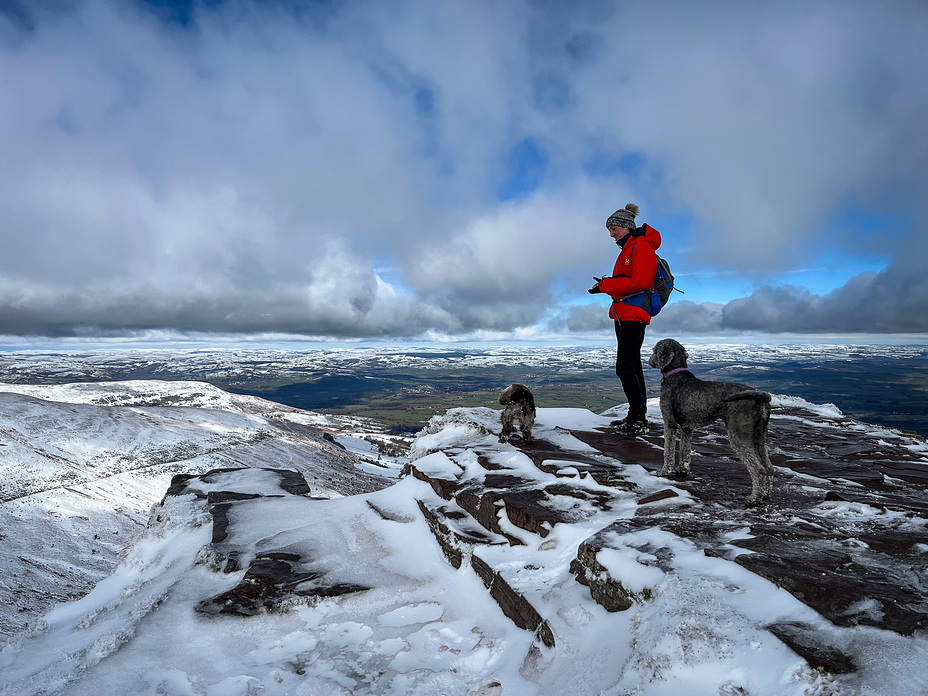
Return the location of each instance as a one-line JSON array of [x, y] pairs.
[[413, 168]]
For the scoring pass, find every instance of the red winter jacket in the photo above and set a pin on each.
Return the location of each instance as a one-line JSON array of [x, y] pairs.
[[634, 270]]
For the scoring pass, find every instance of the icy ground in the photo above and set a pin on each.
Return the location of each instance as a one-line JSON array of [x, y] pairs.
[[241, 584]]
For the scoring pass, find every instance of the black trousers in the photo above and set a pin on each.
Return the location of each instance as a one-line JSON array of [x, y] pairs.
[[630, 336]]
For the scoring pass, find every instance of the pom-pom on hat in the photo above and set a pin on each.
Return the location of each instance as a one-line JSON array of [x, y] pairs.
[[624, 217]]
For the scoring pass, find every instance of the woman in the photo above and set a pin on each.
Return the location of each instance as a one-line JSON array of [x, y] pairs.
[[634, 272]]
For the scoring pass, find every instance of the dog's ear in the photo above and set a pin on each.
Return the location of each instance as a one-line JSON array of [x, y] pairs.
[[663, 354], [684, 355]]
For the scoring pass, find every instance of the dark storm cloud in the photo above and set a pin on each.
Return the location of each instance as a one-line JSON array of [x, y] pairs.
[[886, 302], [581, 319], [681, 316], [244, 167], [892, 301]]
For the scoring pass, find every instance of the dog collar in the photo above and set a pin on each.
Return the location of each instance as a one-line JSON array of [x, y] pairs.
[[673, 372]]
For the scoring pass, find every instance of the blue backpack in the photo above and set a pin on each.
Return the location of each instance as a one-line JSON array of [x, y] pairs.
[[653, 299]]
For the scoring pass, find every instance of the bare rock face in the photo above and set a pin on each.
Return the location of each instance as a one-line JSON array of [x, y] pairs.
[[845, 524], [514, 605]]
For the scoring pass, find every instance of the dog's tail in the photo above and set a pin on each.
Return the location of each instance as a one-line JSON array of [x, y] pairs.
[[749, 394]]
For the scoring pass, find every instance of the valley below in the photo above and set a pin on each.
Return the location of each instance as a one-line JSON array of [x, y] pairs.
[[403, 387]]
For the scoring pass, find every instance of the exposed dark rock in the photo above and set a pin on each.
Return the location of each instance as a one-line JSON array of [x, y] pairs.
[[590, 572], [388, 515], [272, 580], [551, 459], [220, 502], [513, 604], [527, 505], [597, 499], [292, 482], [178, 484], [456, 532], [804, 641], [442, 486], [660, 495], [832, 562], [443, 535], [219, 510], [329, 437], [848, 590], [488, 464], [289, 481], [484, 506], [646, 451]]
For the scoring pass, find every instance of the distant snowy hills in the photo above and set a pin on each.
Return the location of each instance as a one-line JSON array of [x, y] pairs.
[[885, 384], [82, 464], [563, 567]]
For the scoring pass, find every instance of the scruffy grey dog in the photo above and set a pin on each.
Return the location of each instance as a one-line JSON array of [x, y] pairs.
[[688, 403], [520, 405]]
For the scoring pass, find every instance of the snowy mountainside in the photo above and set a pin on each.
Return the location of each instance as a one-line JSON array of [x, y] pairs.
[[77, 477], [420, 627], [565, 566], [149, 392]]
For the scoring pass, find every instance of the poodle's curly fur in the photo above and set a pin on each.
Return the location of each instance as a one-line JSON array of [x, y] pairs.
[[688, 403]]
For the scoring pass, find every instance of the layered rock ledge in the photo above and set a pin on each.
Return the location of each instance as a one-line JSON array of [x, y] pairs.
[[845, 532]]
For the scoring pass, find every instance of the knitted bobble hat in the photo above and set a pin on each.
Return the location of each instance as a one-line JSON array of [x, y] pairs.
[[624, 217]]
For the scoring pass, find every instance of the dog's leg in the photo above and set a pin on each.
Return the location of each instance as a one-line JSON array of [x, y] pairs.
[[507, 418], [754, 457], [670, 444], [526, 422], [686, 451], [765, 472], [747, 433], [761, 481]]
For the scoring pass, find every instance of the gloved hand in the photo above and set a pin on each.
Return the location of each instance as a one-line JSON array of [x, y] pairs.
[[595, 289]]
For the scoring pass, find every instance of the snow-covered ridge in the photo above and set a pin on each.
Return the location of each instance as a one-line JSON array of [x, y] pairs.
[[565, 567], [82, 464], [148, 392]]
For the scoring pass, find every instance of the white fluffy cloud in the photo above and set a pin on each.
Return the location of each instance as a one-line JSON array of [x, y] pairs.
[[250, 170]]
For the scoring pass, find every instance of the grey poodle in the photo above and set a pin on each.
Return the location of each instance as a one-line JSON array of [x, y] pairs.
[[688, 403], [520, 405]]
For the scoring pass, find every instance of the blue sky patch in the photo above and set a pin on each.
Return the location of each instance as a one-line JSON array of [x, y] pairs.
[[526, 168]]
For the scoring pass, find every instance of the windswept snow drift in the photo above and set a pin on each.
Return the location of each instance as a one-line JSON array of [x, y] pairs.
[[82, 464]]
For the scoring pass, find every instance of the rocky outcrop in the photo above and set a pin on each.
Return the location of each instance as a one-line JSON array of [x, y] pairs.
[[603, 587], [273, 580], [845, 532], [513, 604], [846, 542]]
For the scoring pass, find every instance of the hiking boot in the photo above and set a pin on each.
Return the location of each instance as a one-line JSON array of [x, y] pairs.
[[616, 424], [633, 428]]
